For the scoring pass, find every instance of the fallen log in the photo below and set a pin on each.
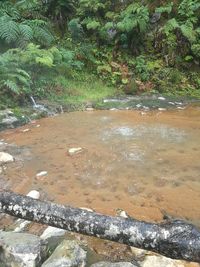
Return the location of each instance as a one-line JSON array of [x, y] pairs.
[[174, 239]]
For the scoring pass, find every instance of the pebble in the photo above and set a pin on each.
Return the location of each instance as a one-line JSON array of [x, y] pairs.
[[75, 150], [42, 173], [87, 209], [162, 109], [89, 109], [34, 194], [161, 98], [25, 130]]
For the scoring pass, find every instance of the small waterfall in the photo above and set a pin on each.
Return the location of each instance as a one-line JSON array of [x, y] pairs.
[[41, 108], [33, 101]]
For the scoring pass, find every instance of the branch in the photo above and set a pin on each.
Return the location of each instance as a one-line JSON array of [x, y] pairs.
[[174, 239]]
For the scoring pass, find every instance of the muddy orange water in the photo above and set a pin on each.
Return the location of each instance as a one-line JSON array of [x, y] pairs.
[[144, 164]]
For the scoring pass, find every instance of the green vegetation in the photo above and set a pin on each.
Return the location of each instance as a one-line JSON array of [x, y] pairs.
[[79, 51]]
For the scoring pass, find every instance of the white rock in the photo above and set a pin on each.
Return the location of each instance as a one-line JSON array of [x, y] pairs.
[[161, 98], [52, 232], [162, 109], [34, 194], [160, 261], [89, 109], [75, 150], [25, 130], [181, 108], [87, 209], [5, 157], [42, 173]]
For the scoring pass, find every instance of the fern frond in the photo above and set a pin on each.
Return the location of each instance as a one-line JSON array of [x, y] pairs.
[[9, 29], [12, 86]]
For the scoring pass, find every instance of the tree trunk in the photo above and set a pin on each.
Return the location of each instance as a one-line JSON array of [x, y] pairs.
[[174, 239]]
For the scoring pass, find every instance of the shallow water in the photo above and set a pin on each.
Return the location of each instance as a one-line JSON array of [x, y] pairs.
[[145, 164]]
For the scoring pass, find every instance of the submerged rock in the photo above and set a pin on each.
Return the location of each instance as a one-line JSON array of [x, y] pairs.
[[67, 254], [41, 174], [115, 264], [75, 150], [5, 158], [20, 250]]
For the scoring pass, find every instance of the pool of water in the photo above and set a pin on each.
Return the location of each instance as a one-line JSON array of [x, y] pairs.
[[146, 164]]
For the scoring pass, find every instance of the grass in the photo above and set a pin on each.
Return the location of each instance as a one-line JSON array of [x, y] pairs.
[[82, 89]]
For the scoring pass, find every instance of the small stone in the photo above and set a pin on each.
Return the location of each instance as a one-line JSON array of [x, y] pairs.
[[122, 213], [113, 109], [75, 150], [181, 108], [34, 194], [161, 98], [41, 174], [5, 157], [25, 130], [162, 109], [67, 254], [89, 109], [171, 103], [87, 209], [37, 126]]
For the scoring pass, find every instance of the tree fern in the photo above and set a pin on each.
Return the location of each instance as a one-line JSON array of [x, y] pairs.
[[18, 31], [9, 29], [133, 17], [165, 9]]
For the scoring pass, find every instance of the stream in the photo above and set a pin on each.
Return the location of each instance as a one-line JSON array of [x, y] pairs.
[[144, 163]]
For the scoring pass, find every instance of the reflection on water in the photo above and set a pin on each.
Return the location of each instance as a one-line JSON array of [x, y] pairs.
[[143, 164]]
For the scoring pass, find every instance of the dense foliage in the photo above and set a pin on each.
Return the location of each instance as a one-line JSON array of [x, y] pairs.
[[137, 46]]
